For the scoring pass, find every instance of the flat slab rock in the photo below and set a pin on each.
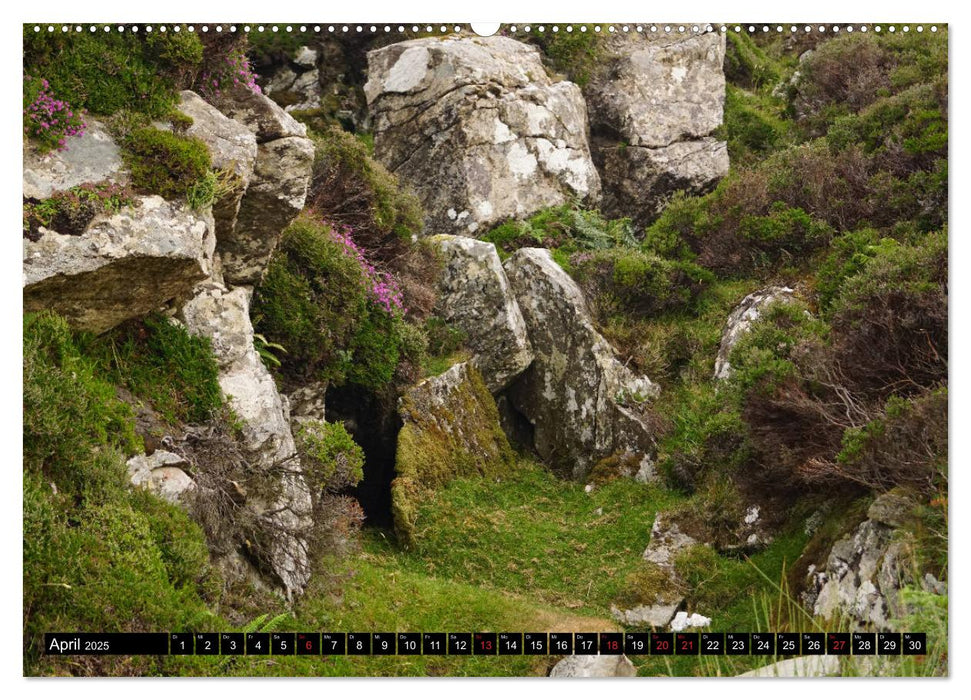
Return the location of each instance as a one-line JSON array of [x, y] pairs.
[[582, 401], [475, 297], [92, 157], [478, 129], [122, 267], [585, 666]]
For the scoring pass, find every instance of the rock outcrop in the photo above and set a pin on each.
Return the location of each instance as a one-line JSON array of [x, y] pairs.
[[477, 128], [583, 403], [91, 157], [450, 428], [584, 666], [475, 298], [222, 316], [653, 108], [278, 187], [124, 266], [232, 148], [865, 570], [161, 473], [741, 319]]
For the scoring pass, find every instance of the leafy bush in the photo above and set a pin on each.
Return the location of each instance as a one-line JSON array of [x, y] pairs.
[[567, 228], [159, 361], [46, 119], [751, 126], [331, 460], [165, 163], [637, 283], [70, 211], [848, 255]]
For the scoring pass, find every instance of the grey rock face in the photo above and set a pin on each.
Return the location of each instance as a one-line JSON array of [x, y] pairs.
[[861, 577], [474, 297], [583, 666], [667, 541], [582, 401], [741, 319], [275, 196], [277, 189], [477, 128], [124, 266], [653, 108], [658, 615], [223, 317], [92, 157], [798, 667], [162, 474], [309, 402], [232, 147]]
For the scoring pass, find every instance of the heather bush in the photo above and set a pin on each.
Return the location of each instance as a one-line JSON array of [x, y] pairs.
[[340, 319], [48, 120], [566, 228]]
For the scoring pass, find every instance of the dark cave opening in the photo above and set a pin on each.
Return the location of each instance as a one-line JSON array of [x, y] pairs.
[[373, 422]]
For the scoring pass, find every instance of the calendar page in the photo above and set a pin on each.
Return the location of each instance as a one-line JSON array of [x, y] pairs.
[[442, 349]]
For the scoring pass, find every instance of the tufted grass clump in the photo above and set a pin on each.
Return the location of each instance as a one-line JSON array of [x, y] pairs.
[[166, 164], [160, 362]]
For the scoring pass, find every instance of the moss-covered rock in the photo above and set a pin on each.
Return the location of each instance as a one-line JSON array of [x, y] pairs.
[[450, 429]]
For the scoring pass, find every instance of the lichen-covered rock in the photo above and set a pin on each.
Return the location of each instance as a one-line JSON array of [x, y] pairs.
[[667, 541], [275, 196], [232, 147], [308, 402], [741, 319], [450, 428], [583, 402], [474, 297], [91, 157], [223, 317], [659, 615], [161, 473], [585, 666], [798, 667], [654, 106], [477, 128], [124, 266], [862, 576], [639, 181], [258, 113]]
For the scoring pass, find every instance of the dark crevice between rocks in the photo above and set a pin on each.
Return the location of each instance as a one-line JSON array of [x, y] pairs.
[[373, 422]]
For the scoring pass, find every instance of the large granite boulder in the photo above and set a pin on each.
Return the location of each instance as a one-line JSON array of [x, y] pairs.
[[222, 316], [584, 404], [654, 106], [92, 157], [278, 187], [477, 128], [122, 267], [450, 428], [740, 321], [474, 297], [232, 147]]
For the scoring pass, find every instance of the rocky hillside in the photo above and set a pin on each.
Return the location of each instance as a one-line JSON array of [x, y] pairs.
[[627, 331]]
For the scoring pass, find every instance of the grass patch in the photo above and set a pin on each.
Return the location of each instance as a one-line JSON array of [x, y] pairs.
[[167, 164]]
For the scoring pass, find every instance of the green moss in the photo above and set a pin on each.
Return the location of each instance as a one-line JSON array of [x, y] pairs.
[[752, 125], [438, 443], [575, 54], [746, 64], [165, 163], [159, 361], [646, 585]]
